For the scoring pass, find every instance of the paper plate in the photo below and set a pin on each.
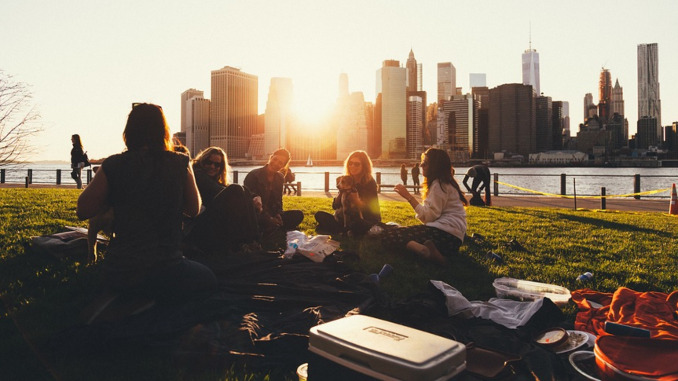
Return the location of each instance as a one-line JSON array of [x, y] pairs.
[[575, 339]]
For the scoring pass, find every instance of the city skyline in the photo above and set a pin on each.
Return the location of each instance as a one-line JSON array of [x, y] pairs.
[[86, 71]]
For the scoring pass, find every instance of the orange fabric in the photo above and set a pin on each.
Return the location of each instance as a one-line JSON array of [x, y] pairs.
[[655, 311]]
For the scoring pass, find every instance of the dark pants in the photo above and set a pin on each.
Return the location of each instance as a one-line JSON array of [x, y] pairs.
[[445, 242], [328, 224]]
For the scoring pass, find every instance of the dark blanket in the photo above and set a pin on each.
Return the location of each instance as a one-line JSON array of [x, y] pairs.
[[261, 315]]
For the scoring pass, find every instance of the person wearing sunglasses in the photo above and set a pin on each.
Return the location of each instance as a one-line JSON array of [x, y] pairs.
[[266, 184], [359, 166], [442, 212], [229, 216], [149, 186]]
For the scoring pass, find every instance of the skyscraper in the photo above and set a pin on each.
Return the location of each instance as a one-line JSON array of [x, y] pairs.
[[604, 95], [278, 114], [617, 99], [462, 120], [234, 110], [412, 73], [649, 103], [589, 106], [351, 121], [185, 96], [447, 80], [544, 123], [197, 124], [531, 69], [512, 119], [415, 125], [391, 84]]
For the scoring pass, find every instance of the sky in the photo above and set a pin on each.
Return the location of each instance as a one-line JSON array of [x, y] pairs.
[[87, 61]]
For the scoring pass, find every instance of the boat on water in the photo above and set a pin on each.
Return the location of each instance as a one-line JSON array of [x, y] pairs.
[[309, 162]]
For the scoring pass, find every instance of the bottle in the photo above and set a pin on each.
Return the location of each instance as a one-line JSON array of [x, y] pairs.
[[585, 277]]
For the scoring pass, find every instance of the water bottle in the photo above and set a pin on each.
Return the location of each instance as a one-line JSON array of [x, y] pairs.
[[587, 276], [385, 271]]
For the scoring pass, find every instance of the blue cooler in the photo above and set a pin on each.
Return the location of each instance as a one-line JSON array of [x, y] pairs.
[[363, 347]]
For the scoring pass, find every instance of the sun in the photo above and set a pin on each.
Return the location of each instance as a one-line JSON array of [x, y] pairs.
[[312, 114]]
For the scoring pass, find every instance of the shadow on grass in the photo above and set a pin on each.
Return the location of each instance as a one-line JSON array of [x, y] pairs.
[[598, 222]]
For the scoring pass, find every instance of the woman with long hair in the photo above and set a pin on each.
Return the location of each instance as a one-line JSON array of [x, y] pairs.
[[229, 216], [77, 160], [149, 186], [442, 212], [359, 166]]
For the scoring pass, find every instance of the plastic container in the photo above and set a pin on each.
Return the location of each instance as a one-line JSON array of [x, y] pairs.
[[383, 350], [527, 290], [302, 372]]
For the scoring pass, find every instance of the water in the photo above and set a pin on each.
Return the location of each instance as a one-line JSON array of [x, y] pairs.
[[588, 180]]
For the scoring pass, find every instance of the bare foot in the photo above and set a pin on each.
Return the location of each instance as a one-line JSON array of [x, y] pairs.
[[435, 255], [418, 249]]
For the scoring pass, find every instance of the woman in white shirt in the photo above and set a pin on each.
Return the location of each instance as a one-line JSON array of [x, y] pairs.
[[442, 212]]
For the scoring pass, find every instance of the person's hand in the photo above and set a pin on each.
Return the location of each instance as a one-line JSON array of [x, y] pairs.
[[256, 201], [402, 191]]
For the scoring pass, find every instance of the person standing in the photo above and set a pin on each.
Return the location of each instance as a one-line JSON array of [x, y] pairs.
[[403, 174], [442, 213], [359, 166], [267, 183], [77, 160], [415, 178]]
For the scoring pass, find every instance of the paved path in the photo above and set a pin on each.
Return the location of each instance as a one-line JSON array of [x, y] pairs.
[[625, 204]]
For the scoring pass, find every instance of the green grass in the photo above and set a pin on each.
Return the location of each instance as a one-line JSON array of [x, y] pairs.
[[43, 296]]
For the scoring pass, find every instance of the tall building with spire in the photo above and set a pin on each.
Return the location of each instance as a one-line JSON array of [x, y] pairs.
[[278, 114], [412, 73], [617, 99], [649, 103], [447, 81], [605, 95], [234, 110], [531, 69]]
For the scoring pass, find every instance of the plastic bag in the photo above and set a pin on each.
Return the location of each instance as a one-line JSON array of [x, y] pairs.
[[295, 238], [318, 247]]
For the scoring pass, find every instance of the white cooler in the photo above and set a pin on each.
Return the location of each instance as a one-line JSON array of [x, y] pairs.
[[385, 350]]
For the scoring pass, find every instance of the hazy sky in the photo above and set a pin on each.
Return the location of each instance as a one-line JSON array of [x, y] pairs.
[[87, 61]]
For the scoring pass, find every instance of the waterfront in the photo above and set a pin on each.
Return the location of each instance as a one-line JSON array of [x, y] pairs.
[[588, 180]]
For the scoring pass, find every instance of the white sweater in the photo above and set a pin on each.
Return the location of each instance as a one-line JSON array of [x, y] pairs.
[[443, 209]]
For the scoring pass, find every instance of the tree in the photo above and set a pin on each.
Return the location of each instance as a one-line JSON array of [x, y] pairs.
[[19, 120]]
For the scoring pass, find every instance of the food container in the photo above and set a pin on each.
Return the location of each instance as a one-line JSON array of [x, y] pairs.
[[383, 350], [635, 358], [527, 290]]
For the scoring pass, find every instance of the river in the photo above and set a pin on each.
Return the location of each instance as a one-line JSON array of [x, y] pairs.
[[587, 180]]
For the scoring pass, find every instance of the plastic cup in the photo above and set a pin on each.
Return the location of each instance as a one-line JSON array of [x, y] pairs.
[[302, 372]]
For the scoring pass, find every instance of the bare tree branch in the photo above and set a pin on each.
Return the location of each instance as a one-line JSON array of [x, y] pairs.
[[19, 120]]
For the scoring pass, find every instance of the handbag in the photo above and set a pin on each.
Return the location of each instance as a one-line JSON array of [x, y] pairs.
[[85, 160]]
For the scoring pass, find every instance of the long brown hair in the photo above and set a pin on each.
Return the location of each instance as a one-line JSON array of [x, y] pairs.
[[366, 164], [439, 168], [204, 155], [147, 127]]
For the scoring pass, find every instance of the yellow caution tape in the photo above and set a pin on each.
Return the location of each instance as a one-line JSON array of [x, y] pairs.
[[601, 196]]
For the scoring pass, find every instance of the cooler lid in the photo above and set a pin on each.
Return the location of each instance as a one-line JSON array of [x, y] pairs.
[[372, 335]]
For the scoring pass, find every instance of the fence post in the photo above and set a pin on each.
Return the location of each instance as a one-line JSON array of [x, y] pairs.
[[298, 188], [496, 184], [58, 176], [327, 182], [563, 184], [636, 186], [378, 182], [89, 176], [2, 176], [602, 198], [26, 182], [235, 177], [30, 176]]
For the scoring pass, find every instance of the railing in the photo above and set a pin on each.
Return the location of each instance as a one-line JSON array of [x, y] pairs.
[[581, 185]]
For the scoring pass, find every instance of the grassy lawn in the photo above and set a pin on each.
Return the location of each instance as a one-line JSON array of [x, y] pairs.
[[42, 296]]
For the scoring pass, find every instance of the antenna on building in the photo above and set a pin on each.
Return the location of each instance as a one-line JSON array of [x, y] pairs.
[[530, 34]]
